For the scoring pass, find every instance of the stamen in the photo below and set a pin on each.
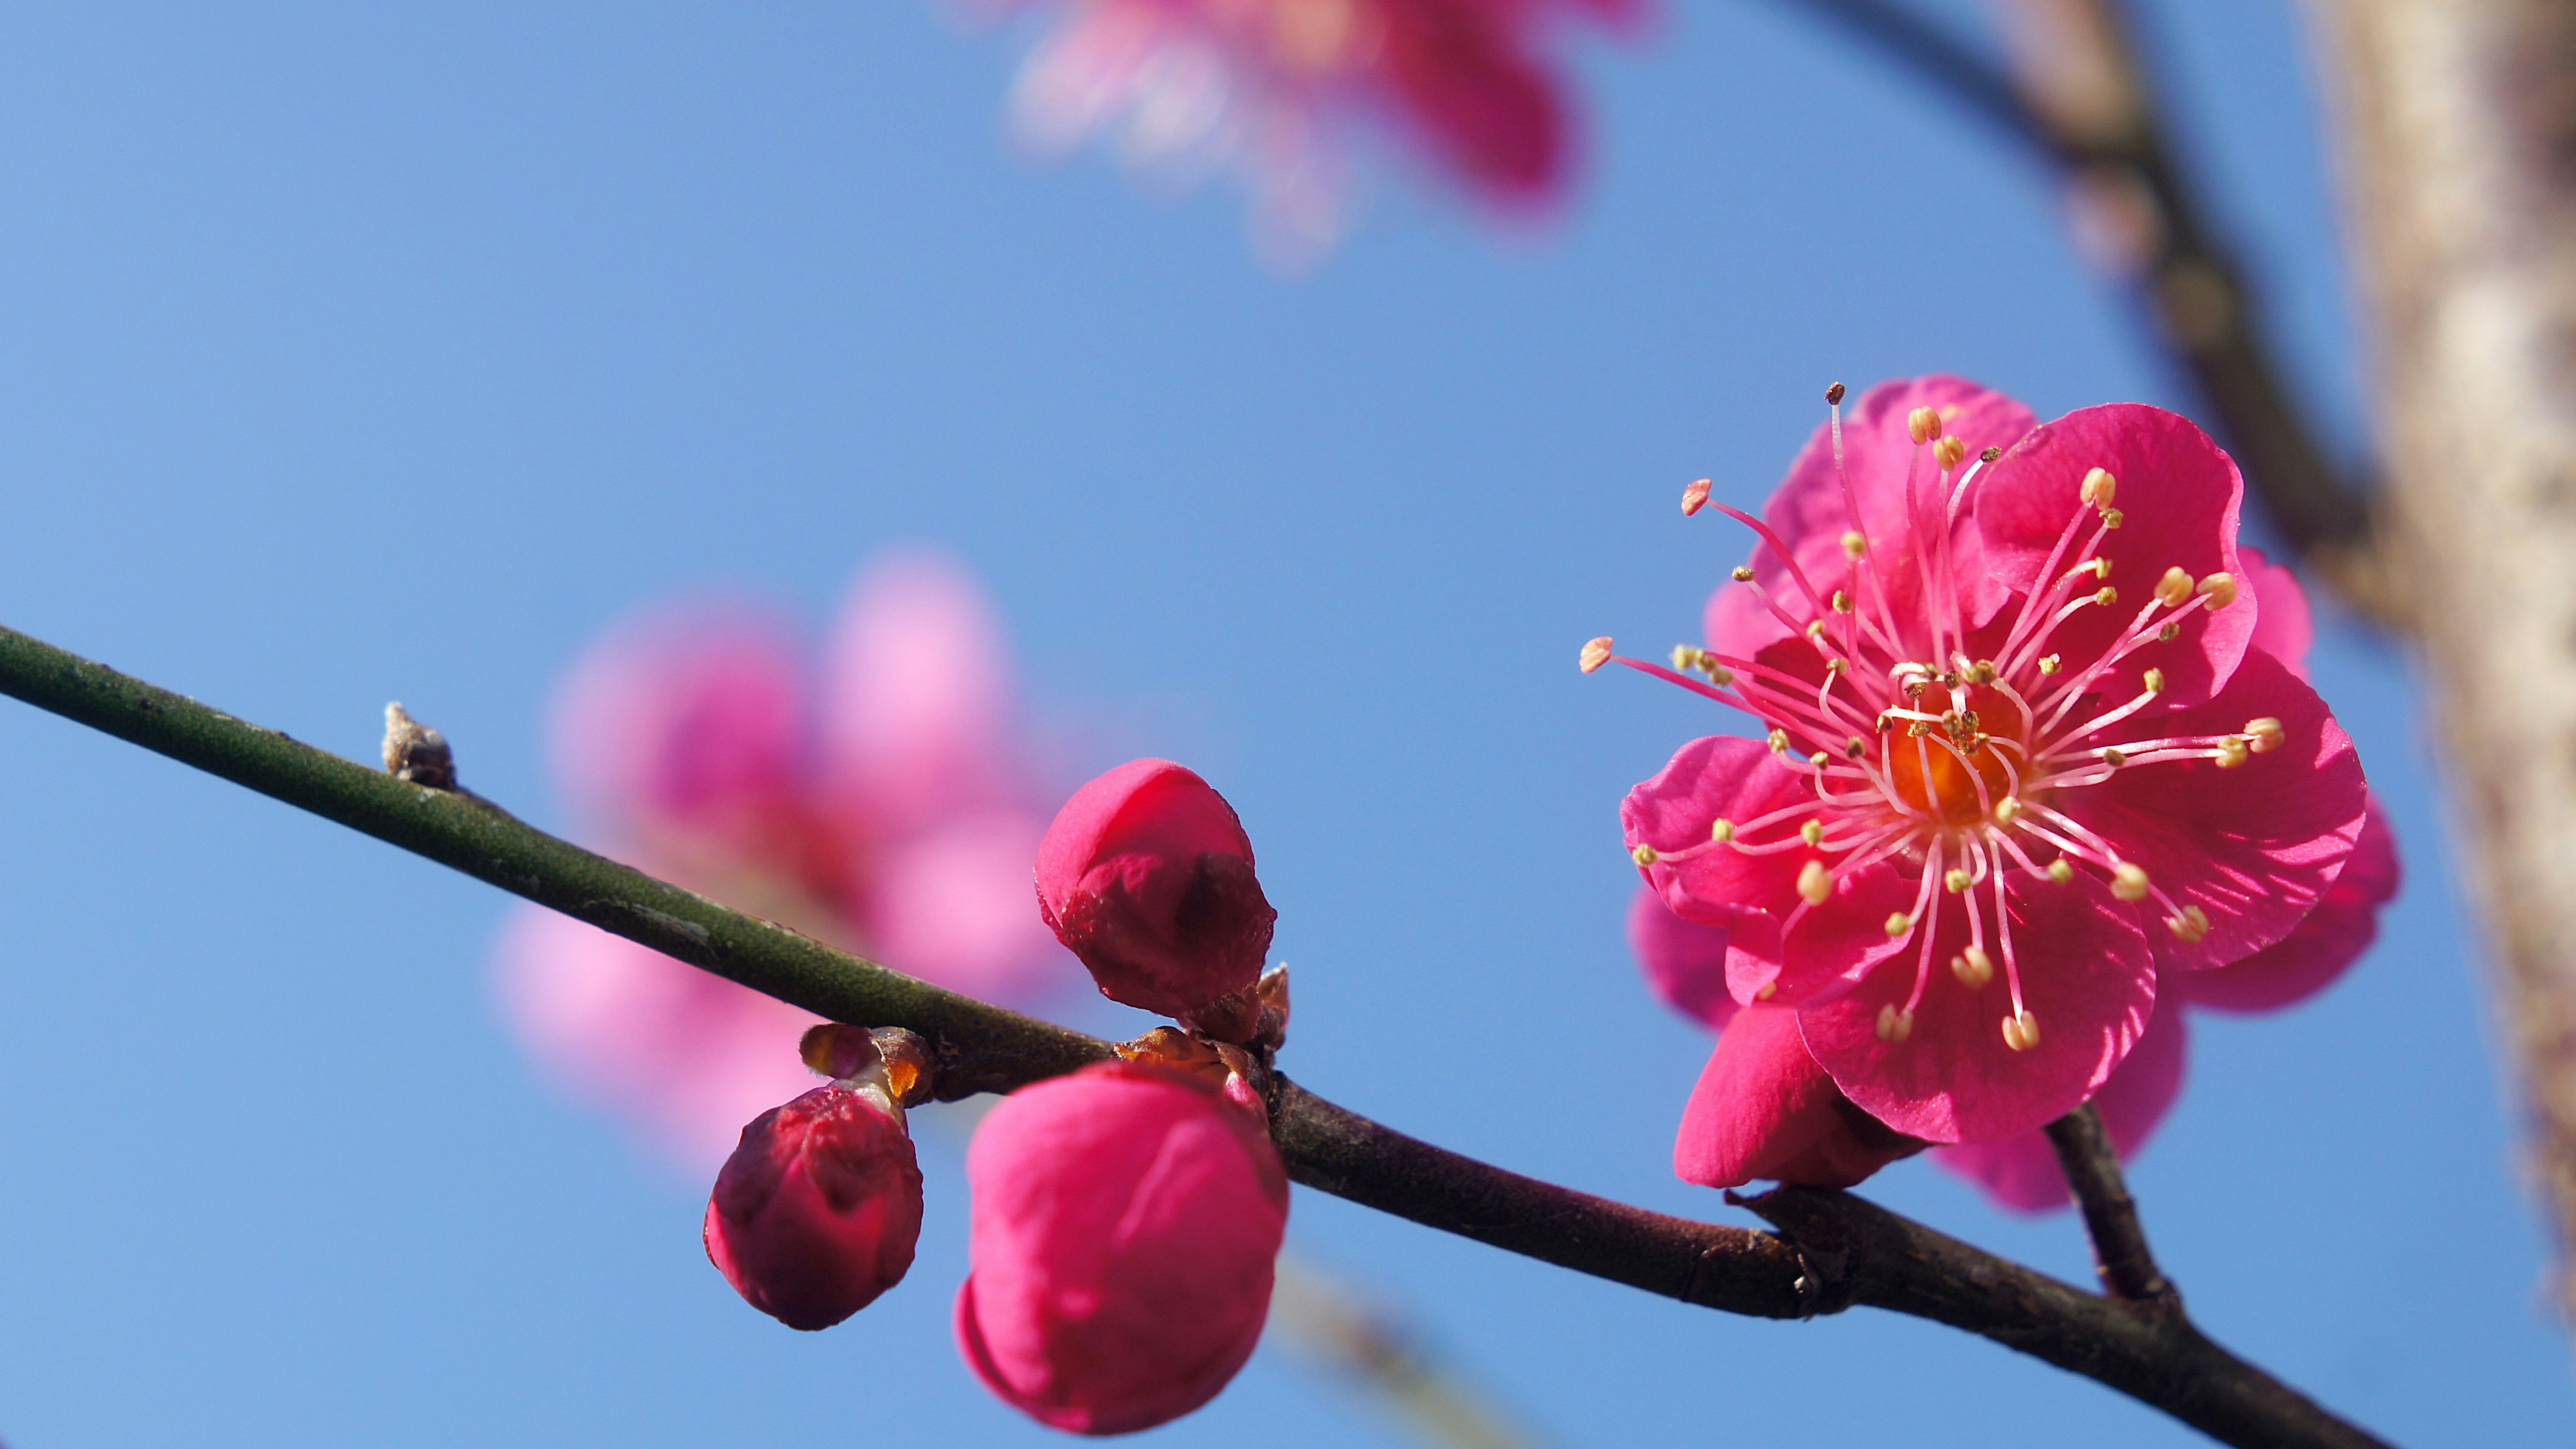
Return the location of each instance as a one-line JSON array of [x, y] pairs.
[[1779, 741], [2128, 881], [2154, 679], [2051, 664], [2098, 488], [1990, 454], [1596, 653], [1949, 452], [1922, 425], [1855, 543], [1813, 832], [2006, 810], [2111, 518], [1956, 880], [2021, 1030], [2173, 588], [1894, 1025], [2192, 925], [2059, 871], [1742, 574], [1721, 829], [2233, 752], [2221, 589], [1898, 923], [1644, 855], [1695, 497], [1973, 967], [2265, 735], [1814, 883]]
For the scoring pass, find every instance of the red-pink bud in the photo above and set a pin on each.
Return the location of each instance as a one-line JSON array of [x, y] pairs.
[[1147, 875], [817, 1211], [1125, 1225]]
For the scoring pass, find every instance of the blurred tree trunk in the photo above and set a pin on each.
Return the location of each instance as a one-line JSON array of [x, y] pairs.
[[2458, 122]]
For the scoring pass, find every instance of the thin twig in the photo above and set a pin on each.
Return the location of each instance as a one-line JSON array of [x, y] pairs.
[[2112, 150], [1832, 1250], [2110, 1215]]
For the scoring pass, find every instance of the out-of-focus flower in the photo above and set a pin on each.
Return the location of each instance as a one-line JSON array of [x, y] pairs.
[[1274, 90], [1125, 1224], [879, 803], [817, 1211], [1147, 876], [2025, 757]]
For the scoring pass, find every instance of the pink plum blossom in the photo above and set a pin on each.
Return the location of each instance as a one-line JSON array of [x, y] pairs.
[[1147, 876], [2025, 758], [1124, 1229], [1273, 89], [879, 803], [1732, 1134]]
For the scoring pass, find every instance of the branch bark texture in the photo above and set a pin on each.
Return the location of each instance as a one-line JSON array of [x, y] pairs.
[[1830, 1251], [2459, 139]]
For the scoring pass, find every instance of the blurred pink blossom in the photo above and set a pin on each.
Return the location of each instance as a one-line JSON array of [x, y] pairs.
[[1275, 89], [883, 806]]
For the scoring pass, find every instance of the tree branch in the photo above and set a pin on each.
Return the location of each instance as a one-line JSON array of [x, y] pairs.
[[2078, 98], [2110, 1215], [1832, 1250]]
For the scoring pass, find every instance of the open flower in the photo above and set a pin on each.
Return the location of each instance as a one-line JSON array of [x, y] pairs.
[[2024, 757], [1753, 1113], [882, 807], [1271, 88]]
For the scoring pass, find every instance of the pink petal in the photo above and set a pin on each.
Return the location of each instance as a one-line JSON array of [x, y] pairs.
[[1763, 1108], [2085, 974], [2021, 1171], [2286, 627], [916, 691], [2319, 948], [1754, 897], [1810, 512], [2254, 847], [951, 905], [683, 1057], [1685, 962], [2179, 495], [686, 722]]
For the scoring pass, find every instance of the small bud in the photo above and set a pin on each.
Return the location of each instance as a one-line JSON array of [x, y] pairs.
[[2098, 488], [417, 753], [1147, 876], [2174, 588], [1814, 883], [2128, 881], [2265, 735], [1596, 652], [1949, 452], [2221, 589], [817, 1211], [1123, 1230], [1695, 497]]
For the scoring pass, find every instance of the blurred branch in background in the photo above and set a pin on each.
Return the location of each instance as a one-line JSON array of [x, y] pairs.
[[2076, 93], [2458, 124], [1365, 1338]]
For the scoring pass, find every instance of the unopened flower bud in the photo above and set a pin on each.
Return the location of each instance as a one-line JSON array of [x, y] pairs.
[[1125, 1224], [817, 1211], [1147, 875]]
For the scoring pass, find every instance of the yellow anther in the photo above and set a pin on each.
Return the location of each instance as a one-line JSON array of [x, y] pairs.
[[1973, 967], [2101, 567], [1596, 653], [2154, 680], [2168, 633], [1766, 991], [2112, 517], [1855, 747], [1644, 855], [2049, 664], [1898, 923], [2221, 589], [1814, 883], [1842, 602], [2021, 1030], [1854, 543], [1950, 452], [1717, 673], [2114, 758], [1894, 1025], [1818, 759], [1779, 741], [1813, 832], [1816, 630], [2098, 489], [1721, 829], [2106, 596], [1836, 666], [2060, 872], [1743, 573], [2265, 735], [1990, 454], [2007, 810], [2128, 881], [1922, 425], [2233, 751], [2192, 926], [2173, 588], [1695, 497], [1983, 672], [1957, 880], [1685, 656]]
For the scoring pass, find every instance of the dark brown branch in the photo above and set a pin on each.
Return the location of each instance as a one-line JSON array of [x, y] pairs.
[[2081, 100], [1831, 1251], [2110, 1215]]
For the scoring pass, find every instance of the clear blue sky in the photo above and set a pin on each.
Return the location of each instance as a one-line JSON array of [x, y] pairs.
[[350, 354]]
